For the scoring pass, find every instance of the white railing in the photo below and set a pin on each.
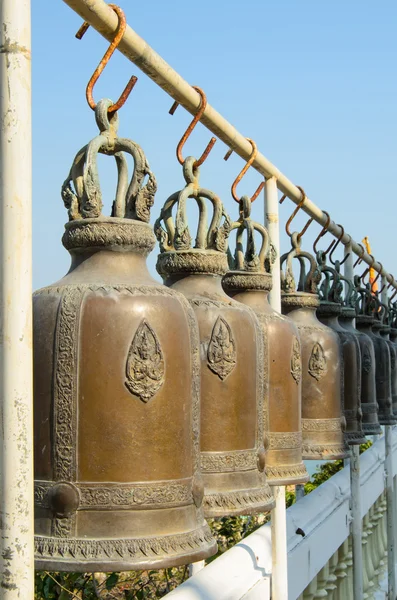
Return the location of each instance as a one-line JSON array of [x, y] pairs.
[[319, 544]]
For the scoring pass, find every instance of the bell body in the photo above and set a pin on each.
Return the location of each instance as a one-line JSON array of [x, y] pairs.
[[116, 382], [369, 408], [323, 423], [232, 414], [382, 370], [328, 313], [385, 334], [283, 373]]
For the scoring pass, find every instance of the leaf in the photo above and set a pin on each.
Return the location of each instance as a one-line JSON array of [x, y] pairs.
[[112, 581]]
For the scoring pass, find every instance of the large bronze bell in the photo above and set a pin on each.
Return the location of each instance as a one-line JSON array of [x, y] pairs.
[[369, 322], [116, 388], [249, 283], [328, 312], [369, 407], [323, 423], [233, 457]]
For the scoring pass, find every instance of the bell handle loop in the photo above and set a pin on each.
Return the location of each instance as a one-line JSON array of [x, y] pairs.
[[244, 171], [165, 235], [189, 130], [106, 57], [92, 197]]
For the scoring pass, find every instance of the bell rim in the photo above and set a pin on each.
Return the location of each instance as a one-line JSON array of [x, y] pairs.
[[240, 502], [201, 536], [287, 474]]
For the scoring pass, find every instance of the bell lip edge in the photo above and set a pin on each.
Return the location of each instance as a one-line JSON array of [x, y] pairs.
[[372, 430], [298, 480], [216, 513], [210, 549]]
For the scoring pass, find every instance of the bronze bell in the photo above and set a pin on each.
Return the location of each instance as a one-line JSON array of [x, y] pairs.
[[347, 319], [249, 283], [328, 312], [385, 331], [369, 322], [116, 388], [232, 453], [323, 423]]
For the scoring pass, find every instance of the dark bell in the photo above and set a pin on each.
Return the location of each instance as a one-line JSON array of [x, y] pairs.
[[323, 422], [370, 323], [232, 355], [116, 392], [329, 312]]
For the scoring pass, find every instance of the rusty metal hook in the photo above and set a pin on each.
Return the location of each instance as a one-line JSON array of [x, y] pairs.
[[186, 135], [360, 258], [301, 203], [106, 57], [367, 270], [336, 245], [243, 172], [322, 233]]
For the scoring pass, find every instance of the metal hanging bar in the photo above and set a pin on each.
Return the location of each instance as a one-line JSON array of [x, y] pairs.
[[103, 18]]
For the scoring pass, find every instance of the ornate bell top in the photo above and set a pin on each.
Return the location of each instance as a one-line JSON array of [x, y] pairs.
[[178, 255], [249, 270], [305, 294], [331, 288], [128, 226], [365, 303]]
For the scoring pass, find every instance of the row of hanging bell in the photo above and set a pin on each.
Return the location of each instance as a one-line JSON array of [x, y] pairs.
[[151, 401]]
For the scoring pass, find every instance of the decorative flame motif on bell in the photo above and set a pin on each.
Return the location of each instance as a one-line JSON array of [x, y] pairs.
[[328, 312], [116, 390], [145, 363], [369, 321], [232, 420], [323, 422], [249, 282], [221, 349]]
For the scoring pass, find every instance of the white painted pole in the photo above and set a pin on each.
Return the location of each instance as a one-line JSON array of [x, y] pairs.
[[16, 406], [390, 499], [278, 515], [355, 490]]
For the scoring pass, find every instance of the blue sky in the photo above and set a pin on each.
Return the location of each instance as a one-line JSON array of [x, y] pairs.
[[314, 83]]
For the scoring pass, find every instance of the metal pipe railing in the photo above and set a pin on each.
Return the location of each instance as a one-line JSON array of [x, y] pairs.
[[100, 16]]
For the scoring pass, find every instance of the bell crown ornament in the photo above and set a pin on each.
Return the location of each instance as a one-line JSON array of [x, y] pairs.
[[180, 252], [249, 281], [117, 407], [323, 422], [232, 423]]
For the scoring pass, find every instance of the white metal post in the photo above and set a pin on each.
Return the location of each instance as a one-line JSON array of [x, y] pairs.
[[16, 406], [278, 515], [355, 490], [390, 499]]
